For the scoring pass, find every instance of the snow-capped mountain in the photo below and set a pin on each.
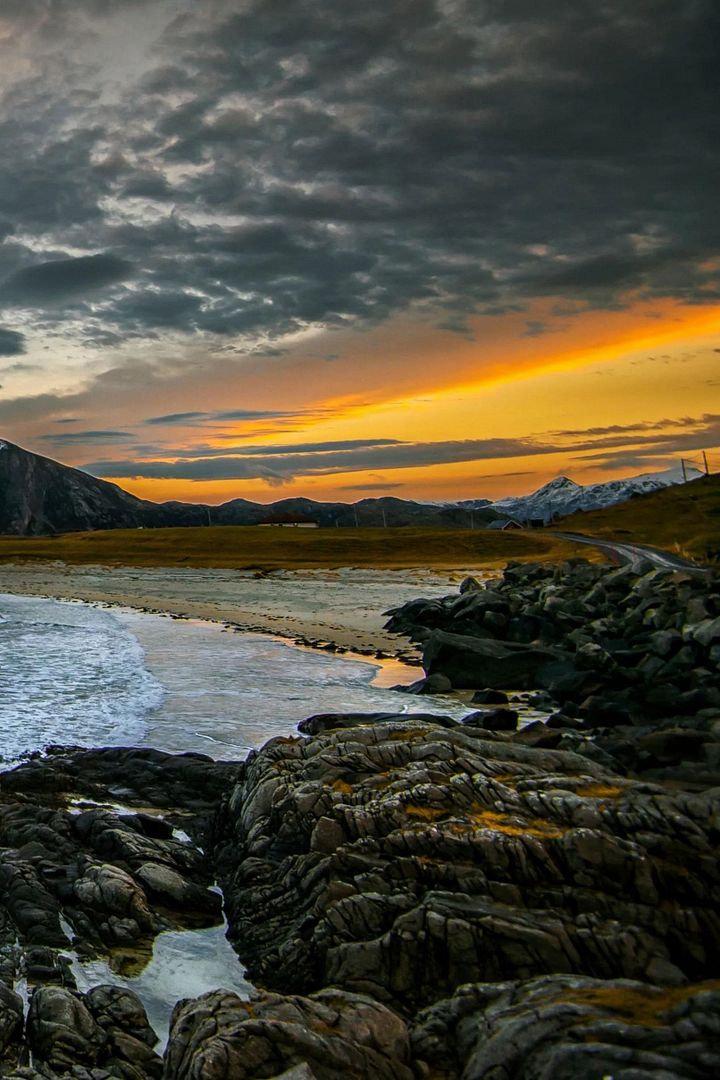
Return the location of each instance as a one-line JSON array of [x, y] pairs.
[[563, 496]]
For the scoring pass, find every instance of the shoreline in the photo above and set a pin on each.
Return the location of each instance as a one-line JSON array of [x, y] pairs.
[[337, 611]]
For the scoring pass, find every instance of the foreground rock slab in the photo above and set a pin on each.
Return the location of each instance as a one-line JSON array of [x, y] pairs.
[[564, 1028], [328, 1035], [402, 859]]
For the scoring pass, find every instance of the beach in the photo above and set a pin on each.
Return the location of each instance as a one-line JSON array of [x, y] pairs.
[[343, 608]]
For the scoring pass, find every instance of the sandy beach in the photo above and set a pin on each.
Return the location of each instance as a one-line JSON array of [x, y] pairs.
[[341, 607]]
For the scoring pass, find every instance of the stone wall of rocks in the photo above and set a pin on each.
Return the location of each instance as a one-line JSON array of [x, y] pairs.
[[629, 655]]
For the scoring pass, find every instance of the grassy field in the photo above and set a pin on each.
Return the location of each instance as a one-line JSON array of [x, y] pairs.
[[684, 519], [250, 547]]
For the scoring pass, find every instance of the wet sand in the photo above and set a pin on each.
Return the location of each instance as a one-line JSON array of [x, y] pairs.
[[344, 607]]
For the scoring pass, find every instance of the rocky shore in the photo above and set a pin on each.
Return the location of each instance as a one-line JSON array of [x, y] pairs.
[[414, 897]]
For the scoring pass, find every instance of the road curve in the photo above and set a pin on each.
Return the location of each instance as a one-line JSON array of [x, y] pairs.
[[630, 553]]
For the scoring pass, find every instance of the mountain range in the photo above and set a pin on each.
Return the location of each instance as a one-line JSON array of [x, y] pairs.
[[563, 496], [39, 496]]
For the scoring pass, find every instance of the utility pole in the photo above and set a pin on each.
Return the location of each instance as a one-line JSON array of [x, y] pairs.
[[705, 461], [684, 470], [472, 520], [356, 517], [384, 518]]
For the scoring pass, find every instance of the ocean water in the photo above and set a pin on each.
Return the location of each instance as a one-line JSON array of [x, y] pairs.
[[74, 673], [69, 673]]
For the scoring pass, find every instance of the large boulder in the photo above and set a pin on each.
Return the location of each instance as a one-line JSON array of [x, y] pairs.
[[472, 663], [62, 1031], [325, 1036]]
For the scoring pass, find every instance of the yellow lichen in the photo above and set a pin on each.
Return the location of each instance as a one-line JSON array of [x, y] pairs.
[[513, 826], [600, 791], [644, 1007], [342, 787], [427, 813], [461, 822]]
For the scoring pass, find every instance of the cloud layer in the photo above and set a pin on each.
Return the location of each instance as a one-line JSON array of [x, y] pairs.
[[264, 167], [279, 464]]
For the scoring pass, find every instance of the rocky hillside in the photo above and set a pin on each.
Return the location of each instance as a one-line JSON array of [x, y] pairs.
[[40, 496]]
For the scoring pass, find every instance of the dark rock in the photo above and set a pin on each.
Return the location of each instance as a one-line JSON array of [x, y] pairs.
[[61, 1030], [489, 697], [652, 633], [561, 678], [471, 662], [673, 744], [570, 1028], [401, 860], [128, 1050], [322, 722], [11, 1017], [563, 721], [433, 684], [538, 734], [173, 889], [492, 720], [327, 1035], [602, 712], [149, 825]]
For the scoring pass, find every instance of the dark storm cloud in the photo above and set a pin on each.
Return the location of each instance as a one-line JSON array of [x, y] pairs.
[[12, 343], [639, 428], [256, 414], [303, 162], [61, 279], [313, 460], [282, 450]]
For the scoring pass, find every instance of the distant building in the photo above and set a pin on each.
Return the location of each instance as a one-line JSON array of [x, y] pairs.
[[283, 522], [504, 523]]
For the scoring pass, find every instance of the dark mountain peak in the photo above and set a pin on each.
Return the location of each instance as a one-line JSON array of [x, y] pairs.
[[40, 496]]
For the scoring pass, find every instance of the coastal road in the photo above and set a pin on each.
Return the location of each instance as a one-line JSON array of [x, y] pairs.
[[629, 553]]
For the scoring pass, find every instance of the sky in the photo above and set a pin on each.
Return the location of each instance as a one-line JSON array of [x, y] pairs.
[[435, 249]]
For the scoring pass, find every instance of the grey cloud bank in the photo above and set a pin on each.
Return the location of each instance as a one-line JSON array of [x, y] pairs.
[[274, 166]]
